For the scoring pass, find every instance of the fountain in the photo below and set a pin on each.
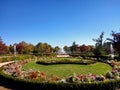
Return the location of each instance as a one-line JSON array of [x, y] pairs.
[[62, 53], [14, 49], [111, 51]]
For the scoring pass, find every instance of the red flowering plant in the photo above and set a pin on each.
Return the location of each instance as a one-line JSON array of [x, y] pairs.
[[42, 74], [53, 78], [12, 69]]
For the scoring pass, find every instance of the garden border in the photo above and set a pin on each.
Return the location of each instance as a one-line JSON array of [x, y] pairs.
[[34, 85]]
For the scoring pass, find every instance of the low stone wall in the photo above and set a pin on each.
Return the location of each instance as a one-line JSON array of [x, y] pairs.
[[63, 55], [1, 64]]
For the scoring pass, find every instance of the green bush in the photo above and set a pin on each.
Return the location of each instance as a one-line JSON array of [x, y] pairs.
[[65, 61], [45, 54], [18, 57], [4, 60]]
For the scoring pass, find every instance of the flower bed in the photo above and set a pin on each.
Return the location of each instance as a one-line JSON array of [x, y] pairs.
[[17, 57], [74, 82]]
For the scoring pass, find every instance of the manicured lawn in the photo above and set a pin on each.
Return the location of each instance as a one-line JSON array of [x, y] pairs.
[[68, 69]]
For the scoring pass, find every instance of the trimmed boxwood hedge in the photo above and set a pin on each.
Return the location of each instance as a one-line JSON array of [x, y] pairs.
[[35, 85], [51, 62]]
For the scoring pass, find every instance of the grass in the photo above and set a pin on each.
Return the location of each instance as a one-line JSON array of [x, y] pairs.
[[68, 69]]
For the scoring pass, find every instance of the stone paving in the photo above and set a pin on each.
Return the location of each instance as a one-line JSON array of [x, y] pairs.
[[1, 64]]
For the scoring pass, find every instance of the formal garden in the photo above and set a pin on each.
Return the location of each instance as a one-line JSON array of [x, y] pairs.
[[62, 73], [84, 68]]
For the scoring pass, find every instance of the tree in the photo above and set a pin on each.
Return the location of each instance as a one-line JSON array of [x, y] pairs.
[[21, 47], [115, 41], [48, 48], [99, 49], [56, 49], [74, 48], [84, 48], [11, 49], [3, 47], [90, 48], [43, 48], [29, 49], [99, 41], [66, 49], [107, 46]]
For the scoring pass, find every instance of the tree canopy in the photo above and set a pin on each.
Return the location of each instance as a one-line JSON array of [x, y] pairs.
[[3, 47]]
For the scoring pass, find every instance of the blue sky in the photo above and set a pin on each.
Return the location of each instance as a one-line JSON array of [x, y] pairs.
[[58, 22]]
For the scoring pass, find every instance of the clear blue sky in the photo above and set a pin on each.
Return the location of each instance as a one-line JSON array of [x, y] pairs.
[[58, 22]]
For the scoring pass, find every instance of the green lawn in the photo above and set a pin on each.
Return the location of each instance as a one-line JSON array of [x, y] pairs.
[[68, 69]]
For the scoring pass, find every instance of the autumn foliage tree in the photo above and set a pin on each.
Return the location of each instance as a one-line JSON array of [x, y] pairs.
[[24, 48], [20, 47], [3, 47], [43, 48], [84, 48], [29, 48]]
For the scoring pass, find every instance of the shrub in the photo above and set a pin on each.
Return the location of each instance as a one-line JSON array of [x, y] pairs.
[[14, 58], [0, 60], [65, 61], [109, 75], [4, 59]]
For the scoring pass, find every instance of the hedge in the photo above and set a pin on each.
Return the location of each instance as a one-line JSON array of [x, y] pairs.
[[35, 85], [51, 62]]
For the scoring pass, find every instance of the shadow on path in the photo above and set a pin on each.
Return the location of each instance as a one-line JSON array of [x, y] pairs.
[[9, 86]]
